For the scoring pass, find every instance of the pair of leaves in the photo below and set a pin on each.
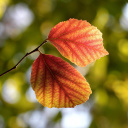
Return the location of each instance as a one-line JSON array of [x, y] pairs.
[[55, 82]]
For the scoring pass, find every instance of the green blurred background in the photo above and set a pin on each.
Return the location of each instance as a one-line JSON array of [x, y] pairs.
[[24, 24]]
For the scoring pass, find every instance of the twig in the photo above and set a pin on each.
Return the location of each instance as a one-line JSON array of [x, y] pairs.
[[35, 50]]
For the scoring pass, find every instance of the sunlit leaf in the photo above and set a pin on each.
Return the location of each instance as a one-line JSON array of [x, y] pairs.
[[78, 41], [57, 84]]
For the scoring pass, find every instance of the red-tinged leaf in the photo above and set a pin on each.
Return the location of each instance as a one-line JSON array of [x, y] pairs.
[[78, 41], [57, 84]]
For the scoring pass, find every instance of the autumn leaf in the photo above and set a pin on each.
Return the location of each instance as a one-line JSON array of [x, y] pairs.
[[57, 84], [78, 41]]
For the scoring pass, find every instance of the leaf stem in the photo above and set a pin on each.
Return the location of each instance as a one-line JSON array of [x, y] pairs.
[[35, 50]]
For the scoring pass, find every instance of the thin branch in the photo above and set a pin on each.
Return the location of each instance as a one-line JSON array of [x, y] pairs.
[[35, 50]]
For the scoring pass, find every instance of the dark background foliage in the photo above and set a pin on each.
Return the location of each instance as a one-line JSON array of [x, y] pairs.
[[24, 24]]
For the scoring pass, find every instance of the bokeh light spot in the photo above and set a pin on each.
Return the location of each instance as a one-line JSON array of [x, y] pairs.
[[10, 92]]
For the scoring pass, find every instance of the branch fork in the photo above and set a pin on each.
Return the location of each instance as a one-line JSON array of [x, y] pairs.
[[27, 54]]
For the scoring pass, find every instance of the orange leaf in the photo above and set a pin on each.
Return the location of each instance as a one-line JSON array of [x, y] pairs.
[[78, 41], [58, 84]]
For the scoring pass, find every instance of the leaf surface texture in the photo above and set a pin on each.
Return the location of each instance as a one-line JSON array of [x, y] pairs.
[[78, 41], [57, 84]]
